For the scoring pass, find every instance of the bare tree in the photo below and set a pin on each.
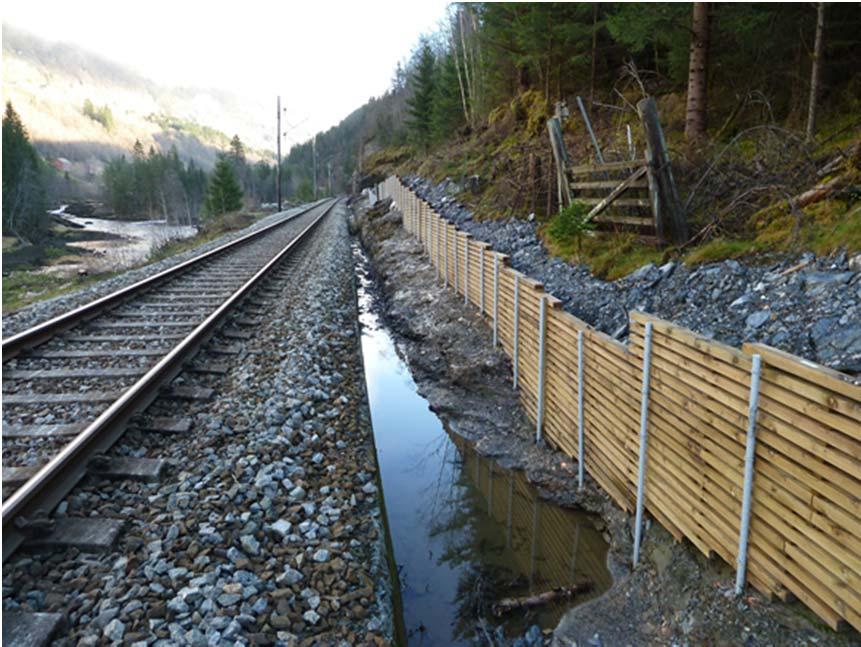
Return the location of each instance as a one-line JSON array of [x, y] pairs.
[[695, 120], [816, 69]]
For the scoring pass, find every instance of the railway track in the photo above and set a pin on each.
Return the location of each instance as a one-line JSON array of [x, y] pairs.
[[72, 384]]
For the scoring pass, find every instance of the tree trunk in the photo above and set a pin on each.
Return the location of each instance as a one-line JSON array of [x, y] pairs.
[[816, 69], [695, 122], [460, 81], [594, 54]]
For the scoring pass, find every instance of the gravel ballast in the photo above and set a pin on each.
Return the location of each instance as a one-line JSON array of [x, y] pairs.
[[266, 529], [801, 304]]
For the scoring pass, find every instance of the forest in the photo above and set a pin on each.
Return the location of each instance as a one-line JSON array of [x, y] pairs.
[[754, 100]]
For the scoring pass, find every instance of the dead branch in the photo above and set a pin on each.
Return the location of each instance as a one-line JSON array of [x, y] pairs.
[[507, 605]]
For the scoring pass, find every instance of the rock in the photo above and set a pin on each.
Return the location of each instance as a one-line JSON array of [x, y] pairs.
[[311, 617], [757, 319], [855, 263], [321, 555], [114, 630], [250, 544], [281, 528]]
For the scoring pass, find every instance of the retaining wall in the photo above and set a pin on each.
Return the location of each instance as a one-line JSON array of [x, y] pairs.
[[804, 537]]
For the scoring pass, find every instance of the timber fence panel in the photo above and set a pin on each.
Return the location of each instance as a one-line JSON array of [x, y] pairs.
[[804, 538], [806, 516], [695, 457]]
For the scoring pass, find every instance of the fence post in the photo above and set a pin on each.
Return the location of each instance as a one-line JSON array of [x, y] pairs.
[[644, 419], [481, 279], [444, 226], [495, 299], [456, 276], [465, 270], [670, 221], [580, 409], [749, 456], [542, 330], [514, 359]]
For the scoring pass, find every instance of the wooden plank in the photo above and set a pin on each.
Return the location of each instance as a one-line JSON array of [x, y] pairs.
[[613, 197], [608, 184], [591, 169], [618, 202], [634, 221]]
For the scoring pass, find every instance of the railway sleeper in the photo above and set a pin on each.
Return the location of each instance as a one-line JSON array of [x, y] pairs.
[[26, 629]]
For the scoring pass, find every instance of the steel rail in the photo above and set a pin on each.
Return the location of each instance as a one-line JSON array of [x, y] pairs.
[[40, 333], [57, 477]]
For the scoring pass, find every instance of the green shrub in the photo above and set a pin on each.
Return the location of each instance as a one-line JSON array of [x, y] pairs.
[[570, 224]]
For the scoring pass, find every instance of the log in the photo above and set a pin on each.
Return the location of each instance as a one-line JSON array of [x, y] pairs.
[[507, 605]]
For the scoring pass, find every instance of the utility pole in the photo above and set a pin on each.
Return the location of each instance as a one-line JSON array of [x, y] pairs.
[[278, 145], [329, 172], [314, 155]]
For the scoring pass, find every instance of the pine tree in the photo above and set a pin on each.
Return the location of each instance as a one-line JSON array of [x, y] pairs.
[[446, 109], [420, 105], [223, 193], [23, 179]]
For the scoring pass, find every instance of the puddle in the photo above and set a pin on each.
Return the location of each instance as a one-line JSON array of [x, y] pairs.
[[134, 243], [465, 532]]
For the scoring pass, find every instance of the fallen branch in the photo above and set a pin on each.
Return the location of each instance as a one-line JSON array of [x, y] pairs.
[[507, 605]]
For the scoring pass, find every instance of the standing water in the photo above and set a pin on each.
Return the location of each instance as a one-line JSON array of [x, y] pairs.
[[465, 532]]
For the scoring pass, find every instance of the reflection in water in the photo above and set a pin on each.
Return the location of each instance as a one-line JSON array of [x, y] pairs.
[[465, 531]]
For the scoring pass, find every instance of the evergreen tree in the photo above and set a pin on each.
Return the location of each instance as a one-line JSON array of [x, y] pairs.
[[223, 193], [23, 179], [447, 109], [420, 105]]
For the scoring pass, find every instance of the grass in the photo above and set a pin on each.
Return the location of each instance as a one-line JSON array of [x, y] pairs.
[[23, 288]]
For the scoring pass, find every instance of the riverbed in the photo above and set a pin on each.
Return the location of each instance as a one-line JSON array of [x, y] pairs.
[[126, 243]]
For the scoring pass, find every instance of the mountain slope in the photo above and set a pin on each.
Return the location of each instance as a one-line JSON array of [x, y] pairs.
[[49, 83]]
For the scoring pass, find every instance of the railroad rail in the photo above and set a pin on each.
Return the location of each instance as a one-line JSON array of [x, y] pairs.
[[124, 348]]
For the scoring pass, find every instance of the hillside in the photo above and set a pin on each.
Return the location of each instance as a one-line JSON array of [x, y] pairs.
[[49, 84], [472, 104]]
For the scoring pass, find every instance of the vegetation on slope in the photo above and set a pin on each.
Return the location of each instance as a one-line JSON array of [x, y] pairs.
[[472, 103]]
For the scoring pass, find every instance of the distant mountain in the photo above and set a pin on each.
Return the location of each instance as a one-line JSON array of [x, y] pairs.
[[50, 84]]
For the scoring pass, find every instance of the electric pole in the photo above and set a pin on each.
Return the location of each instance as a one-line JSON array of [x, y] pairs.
[[329, 171], [278, 146], [314, 155]]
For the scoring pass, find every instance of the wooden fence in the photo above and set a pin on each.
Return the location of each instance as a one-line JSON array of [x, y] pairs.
[[804, 537]]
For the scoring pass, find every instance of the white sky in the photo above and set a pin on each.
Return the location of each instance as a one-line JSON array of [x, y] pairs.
[[324, 58]]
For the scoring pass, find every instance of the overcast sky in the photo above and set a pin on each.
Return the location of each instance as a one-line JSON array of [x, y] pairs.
[[324, 58]]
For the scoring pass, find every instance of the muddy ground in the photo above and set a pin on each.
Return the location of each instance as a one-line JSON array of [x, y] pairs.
[[676, 596]]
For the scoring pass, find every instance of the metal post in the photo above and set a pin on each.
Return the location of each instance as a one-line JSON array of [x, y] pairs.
[[278, 140], [490, 489], [516, 325], [495, 299], [444, 249], [465, 271], [508, 523], [481, 280], [454, 257], [644, 419], [542, 329], [749, 456], [580, 432]]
